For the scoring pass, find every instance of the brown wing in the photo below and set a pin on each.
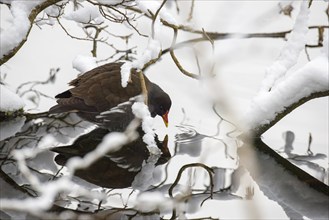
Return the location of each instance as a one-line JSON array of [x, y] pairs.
[[97, 90], [90, 74], [104, 91]]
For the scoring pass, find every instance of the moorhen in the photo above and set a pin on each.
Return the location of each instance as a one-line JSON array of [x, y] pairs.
[[99, 90], [116, 169]]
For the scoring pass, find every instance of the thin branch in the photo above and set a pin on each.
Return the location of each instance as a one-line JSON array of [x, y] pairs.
[[143, 86], [176, 61], [190, 16], [222, 36], [181, 170], [73, 37], [179, 175], [155, 17], [98, 30]]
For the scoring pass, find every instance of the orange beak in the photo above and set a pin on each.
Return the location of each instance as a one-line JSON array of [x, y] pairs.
[[165, 118]]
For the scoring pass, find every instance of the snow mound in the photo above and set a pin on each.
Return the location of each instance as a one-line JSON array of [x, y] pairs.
[[9, 101]]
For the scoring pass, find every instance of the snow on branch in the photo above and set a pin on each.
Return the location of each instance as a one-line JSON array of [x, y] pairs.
[[9, 101], [23, 14], [308, 82], [150, 8], [281, 93], [110, 143], [151, 53], [48, 192], [141, 111], [290, 53]]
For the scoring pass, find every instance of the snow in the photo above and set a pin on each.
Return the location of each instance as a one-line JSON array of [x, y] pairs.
[[230, 207], [152, 201], [153, 6], [151, 52], [18, 25], [287, 89], [48, 191], [144, 179], [290, 53], [109, 2], [84, 13], [125, 73], [313, 77], [111, 142], [84, 63], [9, 101], [141, 111]]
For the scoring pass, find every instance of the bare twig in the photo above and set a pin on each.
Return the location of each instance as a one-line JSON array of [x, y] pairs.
[[143, 86], [179, 175], [176, 61], [190, 16], [155, 17]]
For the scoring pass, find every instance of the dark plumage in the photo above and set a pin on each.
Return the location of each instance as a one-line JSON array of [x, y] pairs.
[[114, 170], [100, 90]]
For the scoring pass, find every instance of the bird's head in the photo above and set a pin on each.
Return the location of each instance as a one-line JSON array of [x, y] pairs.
[[159, 103]]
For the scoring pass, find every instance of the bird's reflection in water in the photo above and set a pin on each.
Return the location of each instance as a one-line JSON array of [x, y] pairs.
[[116, 169]]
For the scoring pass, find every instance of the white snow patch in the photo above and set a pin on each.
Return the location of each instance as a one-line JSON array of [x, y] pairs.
[[152, 52], [125, 73], [144, 179], [110, 2], [152, 201], [9, 101], [279, 90], [141, 111], [84, 13], [290, 53], [110, 143], [311, 78], [153, 6], [84, 63], [18, 27]]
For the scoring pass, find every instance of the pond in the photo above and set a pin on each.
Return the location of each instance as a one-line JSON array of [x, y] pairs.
[[196, 176]]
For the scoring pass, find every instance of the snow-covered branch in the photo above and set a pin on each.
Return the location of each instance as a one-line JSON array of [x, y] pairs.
[[309, 82], [290, 53], [23, 16], [280, 92]]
